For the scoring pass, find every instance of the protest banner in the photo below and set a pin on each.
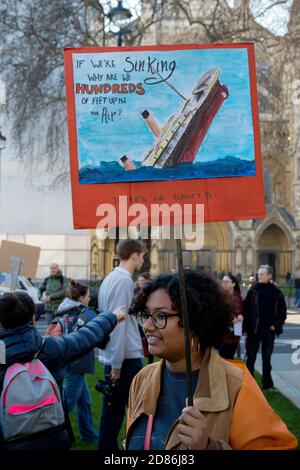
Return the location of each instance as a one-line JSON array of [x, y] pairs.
[[28, 254], [164, 124]]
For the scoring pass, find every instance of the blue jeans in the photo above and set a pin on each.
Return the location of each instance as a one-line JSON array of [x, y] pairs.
[[113, 413], [297, 300], [77, 393]]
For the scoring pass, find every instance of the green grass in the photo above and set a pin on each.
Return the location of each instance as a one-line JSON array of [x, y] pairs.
[[287, 411], [288, 291], [96, 410]]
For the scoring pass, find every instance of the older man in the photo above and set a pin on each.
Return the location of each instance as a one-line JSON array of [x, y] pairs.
[[53, 291], [264, 316]]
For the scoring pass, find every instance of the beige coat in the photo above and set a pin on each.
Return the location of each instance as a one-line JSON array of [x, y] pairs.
[[238, 415]]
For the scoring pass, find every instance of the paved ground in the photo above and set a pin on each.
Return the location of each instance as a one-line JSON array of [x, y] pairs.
[[286, 359]]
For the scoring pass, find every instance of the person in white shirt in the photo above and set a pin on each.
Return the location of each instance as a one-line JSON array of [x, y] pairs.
[[122, 357]]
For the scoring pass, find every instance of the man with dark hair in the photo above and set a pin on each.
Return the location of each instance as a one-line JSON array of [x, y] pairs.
[[126, 248], [123, 353], [264, 316]]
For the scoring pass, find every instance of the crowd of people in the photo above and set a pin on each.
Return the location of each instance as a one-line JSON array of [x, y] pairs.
[[137, 321]]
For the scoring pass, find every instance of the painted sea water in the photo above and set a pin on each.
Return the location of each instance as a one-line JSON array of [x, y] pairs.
[[113, 172]]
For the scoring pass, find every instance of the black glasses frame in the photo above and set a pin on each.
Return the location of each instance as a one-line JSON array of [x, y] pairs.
[[151, 315]]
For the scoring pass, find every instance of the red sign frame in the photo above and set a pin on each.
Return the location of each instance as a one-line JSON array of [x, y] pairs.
[[224, 199]]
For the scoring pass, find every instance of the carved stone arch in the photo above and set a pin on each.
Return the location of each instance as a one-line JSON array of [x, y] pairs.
[[216, 254], [102, 255], [274, 247], [273, 221], [223, 245], [224, 234]]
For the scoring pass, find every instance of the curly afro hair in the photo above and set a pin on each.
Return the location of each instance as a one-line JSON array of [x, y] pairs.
[[210, 307]]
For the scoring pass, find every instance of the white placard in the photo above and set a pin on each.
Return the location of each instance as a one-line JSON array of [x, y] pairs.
[[237, 328]]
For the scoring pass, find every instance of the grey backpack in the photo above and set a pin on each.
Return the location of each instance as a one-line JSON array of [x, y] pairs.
[[30, 401]]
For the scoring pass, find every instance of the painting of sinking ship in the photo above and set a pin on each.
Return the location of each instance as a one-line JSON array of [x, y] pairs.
[[198, 126], [180, 139]]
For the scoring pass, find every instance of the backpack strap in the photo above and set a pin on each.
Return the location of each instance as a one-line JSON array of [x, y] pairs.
[[84, 316], [39, 350], [5, 367], [147, 441]]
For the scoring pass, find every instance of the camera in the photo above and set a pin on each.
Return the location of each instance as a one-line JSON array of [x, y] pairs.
[[110, 388]]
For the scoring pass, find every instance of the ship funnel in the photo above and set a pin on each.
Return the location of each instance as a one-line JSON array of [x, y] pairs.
[[127, 163], [151, 123]]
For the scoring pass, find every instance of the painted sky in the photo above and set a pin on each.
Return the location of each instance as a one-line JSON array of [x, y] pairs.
[[231, 133]]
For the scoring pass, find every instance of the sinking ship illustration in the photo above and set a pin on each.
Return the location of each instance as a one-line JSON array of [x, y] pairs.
[[181, 137]]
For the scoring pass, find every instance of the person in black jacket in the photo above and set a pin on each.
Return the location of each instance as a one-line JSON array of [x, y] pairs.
[[23, 341], [264, 316]]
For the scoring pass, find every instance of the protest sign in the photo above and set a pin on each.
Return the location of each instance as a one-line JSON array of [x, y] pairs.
[[164, 125], [12, 251]]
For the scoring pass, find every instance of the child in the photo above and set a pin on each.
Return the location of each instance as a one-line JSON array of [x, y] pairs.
[[23, 343]]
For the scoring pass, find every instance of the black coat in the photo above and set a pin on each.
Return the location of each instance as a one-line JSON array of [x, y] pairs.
[[252, 314], [22, 343]]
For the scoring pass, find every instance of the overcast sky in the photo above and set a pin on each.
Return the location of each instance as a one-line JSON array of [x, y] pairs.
[[275, 19]]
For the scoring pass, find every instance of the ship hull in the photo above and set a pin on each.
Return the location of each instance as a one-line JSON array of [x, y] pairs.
[[185, 131], [188, 146]]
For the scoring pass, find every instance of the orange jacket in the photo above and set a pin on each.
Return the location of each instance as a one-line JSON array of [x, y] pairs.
[[238, 415]]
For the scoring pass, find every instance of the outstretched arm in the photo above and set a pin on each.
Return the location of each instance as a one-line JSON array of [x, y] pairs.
[[59, 351]]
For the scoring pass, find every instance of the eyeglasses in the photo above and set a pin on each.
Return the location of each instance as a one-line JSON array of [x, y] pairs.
[[159, 319]]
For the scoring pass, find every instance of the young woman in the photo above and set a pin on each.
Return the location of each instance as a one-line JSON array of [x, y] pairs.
[[73, 313], [222, 416], [231, 340]]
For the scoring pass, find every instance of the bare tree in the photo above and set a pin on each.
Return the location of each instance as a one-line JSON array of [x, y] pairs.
[[33, 34]]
